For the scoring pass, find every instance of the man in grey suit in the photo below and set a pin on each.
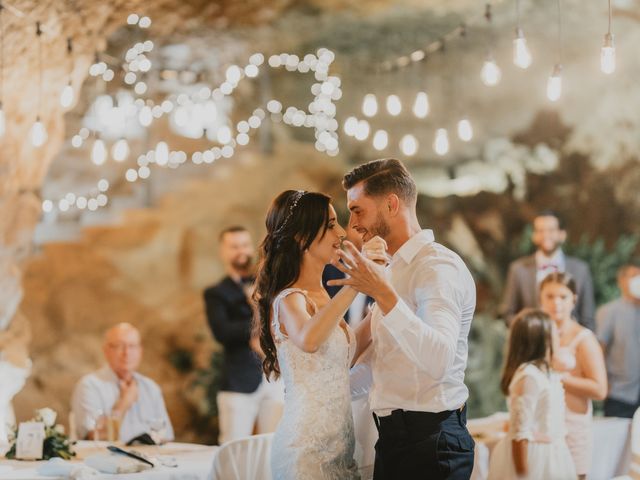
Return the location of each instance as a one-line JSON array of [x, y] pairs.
[[525, 274]]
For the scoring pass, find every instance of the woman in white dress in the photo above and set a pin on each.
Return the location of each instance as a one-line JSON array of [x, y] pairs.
[[579, 357], [305, 339], [535, 446]]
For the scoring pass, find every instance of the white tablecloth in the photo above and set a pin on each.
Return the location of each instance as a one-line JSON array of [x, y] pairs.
[[611, 445], [194, 462]]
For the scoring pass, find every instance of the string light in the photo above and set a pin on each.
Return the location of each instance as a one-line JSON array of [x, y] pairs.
[[98, 152], [120, 151], [409, 145], [38, 131], [608, 52], [465, 131], [380, 140], [421, 105], [394, 105], [67, 95], [369, 105], [521, 53], [441, 142], [490, 73], [554, 84]]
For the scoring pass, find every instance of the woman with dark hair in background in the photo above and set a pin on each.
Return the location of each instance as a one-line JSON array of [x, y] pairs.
[[305, 338]]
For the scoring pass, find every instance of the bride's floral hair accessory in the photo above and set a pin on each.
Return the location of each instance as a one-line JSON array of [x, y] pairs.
[[294, 203]]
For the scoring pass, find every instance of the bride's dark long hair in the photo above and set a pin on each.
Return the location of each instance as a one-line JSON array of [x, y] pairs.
[[293, 221]]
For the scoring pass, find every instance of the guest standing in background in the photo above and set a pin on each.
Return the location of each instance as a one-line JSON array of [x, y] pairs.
[[535, 447], [245, 397], [579, 358], [525, 274], [619, 333]]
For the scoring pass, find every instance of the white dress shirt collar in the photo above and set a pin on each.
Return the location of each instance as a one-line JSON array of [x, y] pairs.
[[411, 247]]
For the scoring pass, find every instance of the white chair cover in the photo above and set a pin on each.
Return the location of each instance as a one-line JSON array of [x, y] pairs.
[[244, 459]]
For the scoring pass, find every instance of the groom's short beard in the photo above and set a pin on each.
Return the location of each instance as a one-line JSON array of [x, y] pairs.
[[380, 228]]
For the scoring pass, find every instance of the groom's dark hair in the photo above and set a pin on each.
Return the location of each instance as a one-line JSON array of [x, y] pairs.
[[382, 177]]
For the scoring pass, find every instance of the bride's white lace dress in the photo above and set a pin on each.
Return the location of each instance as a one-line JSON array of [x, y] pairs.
[[315, 438]]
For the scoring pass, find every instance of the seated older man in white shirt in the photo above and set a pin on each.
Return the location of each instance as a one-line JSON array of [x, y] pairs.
[[117, 391], [419, 327]]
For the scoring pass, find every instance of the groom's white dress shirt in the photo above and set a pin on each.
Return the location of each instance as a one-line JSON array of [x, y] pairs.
[[420, 346]]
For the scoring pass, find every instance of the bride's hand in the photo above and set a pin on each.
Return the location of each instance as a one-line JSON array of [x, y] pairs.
[[376, 250]]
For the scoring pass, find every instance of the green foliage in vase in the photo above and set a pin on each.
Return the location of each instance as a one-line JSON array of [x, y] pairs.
[[56, 443]]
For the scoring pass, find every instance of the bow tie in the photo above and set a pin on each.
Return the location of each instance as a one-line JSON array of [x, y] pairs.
[[549, 266]]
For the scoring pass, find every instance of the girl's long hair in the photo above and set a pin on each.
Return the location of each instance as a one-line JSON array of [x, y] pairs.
[[530, 340], [291, 228]]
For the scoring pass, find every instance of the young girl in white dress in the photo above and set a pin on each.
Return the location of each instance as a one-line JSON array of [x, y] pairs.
[[305, 339], [535, 446], [580, 360]]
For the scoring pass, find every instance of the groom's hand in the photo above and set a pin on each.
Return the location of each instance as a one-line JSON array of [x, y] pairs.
[[365, 276]]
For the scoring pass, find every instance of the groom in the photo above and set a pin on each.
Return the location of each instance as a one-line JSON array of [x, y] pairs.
[[425, 300]]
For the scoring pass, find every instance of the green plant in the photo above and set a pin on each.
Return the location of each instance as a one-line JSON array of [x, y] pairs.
[[207, 380]]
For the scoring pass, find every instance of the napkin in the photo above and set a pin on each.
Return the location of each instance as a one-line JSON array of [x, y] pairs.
[[115, 463], [57, 467]]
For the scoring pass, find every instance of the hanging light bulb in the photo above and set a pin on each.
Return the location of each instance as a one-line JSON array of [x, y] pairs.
[[554, 85], [409, 145], [608, 55], [490, 73], [465, 131], [521, 53], [98, 152], [38, 133], [441, 142], [351, 126], [66, 97], [120, 151], [421, 105], [3, 122], [380, 140], [162, 153], [394, 106], [362, 130], [369, 105]]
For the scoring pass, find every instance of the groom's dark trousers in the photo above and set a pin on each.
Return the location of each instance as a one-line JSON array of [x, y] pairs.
[[423, 445]]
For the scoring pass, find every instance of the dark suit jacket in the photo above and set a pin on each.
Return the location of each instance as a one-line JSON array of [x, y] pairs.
[[521, 289], [230, 316]]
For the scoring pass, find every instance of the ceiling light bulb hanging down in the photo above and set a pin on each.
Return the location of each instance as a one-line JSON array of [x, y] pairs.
[[120, 151], [98, 152], [162, 153], [490, 73], [421, 105], [67, 96], [554, 84], [608, 55], [394, 106], [441, 142], [380, 140], [409, 145], [465, 131], [521, 53], [369, 105], [38, 133]]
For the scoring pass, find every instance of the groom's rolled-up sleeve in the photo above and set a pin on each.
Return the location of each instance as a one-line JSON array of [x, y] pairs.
[[429, 337]]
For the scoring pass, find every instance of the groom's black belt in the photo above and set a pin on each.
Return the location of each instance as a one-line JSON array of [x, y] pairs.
[[410, 420]]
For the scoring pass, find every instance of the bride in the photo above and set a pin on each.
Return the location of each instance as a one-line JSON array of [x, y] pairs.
[[305, 339]]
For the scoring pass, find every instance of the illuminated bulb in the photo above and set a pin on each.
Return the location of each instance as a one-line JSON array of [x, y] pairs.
[[465, 132], [394, 107], [521, 53], [66, 97], [3, 122], [98, 152], [441, 142], [38, 133], [554, 85], [608, 55], [162, 153], [380, 140], [362, 130], [490, 73], [350, 126], [409, 145], [369, 105], [120, 150], [47, 206], [421, 105]]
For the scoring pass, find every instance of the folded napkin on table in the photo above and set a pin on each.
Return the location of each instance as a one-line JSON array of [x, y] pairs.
[[57, 467], [115, 463]]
